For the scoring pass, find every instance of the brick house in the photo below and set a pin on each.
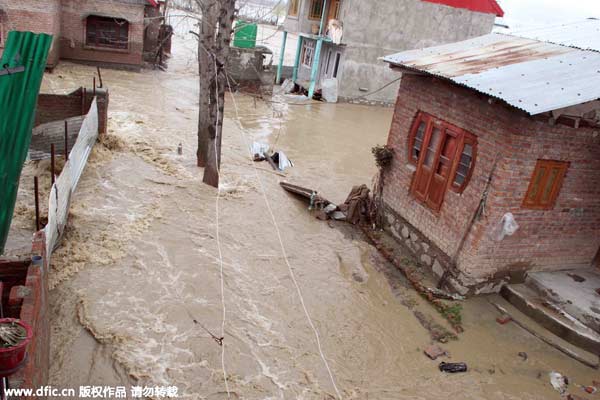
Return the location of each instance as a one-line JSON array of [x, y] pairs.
[[107, 32], [492, 130]]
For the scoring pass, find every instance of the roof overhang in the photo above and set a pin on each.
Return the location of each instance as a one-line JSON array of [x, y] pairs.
[[533, 76]]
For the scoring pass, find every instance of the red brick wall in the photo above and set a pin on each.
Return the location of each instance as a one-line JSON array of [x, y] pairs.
[[39, 16], [568, 235], [55, 107], [28, 301], [72, 43]]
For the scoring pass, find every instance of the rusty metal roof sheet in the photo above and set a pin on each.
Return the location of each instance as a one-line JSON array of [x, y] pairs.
[[532, 75]]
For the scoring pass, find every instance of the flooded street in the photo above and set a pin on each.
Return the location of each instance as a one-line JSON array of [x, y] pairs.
[[141, 261]]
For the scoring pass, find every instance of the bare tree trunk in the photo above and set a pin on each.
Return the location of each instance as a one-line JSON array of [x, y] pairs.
[[206, 50], [217, 91]]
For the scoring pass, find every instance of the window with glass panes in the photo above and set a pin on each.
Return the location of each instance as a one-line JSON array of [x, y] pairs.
[[444, 155]]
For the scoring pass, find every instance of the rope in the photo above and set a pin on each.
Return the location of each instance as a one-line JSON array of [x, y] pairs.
[[218, 234], [283, 251]]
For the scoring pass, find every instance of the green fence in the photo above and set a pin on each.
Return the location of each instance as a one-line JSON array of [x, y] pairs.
[[21, 72]]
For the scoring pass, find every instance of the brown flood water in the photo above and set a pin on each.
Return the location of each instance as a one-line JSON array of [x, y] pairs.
[[140, 262]]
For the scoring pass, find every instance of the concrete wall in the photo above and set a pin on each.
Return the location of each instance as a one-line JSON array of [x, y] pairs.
[[45, 135], [72, 43], [566, 236], [39, 16], [301, 23], [371, 32]]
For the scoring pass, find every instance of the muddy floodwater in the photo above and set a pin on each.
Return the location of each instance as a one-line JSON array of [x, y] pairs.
[[140, 263]]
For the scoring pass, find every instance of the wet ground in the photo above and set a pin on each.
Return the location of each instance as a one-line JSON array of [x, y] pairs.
[[140, 263]]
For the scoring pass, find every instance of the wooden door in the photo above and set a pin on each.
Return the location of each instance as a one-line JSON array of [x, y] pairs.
[[435, 165]]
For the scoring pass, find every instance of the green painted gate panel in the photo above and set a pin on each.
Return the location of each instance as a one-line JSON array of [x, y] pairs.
[[245, 35], [18, 99]]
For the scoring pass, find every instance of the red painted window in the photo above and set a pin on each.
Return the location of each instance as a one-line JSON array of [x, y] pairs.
[[444, 156], [107, 32], [545, 184]]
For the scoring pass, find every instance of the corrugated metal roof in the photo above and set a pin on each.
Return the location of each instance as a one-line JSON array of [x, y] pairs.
[[532, 75], [583, 35]]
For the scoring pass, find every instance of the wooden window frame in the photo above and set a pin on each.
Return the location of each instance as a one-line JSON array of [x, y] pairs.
[[447, 131], [97, 21], [334, 9], [548, 165], [313, 16], [294, 8]]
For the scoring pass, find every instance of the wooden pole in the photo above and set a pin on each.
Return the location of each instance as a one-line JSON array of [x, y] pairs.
[[99, 77], [66, 141], [36, 191], [52, 162], [94, 90]]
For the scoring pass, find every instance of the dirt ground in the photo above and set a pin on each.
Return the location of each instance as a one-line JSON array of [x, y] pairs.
[[140, 262]]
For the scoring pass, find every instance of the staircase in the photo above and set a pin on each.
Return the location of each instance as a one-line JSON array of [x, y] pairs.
[[567, 303]]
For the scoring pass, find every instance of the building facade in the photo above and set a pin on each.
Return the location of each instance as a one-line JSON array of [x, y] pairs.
[[345, 39], [496, 167], [111, 33]]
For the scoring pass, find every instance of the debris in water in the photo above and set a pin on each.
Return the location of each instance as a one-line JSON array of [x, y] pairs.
[[559, 382], [434, 352], [453, 368], [589, 389], [357, 205], [441, 294]]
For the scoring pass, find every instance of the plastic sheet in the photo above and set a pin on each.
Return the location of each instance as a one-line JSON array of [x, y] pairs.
[[507, 227]]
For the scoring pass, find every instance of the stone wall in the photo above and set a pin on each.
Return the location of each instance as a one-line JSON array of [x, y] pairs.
[[566, 236]]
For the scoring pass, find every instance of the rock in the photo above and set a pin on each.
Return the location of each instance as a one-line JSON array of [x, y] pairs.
[[329, 88], [438, 270], [414, 237], [390, 219], [425, 247], [405, 232], [434, 352], [425, 259]]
